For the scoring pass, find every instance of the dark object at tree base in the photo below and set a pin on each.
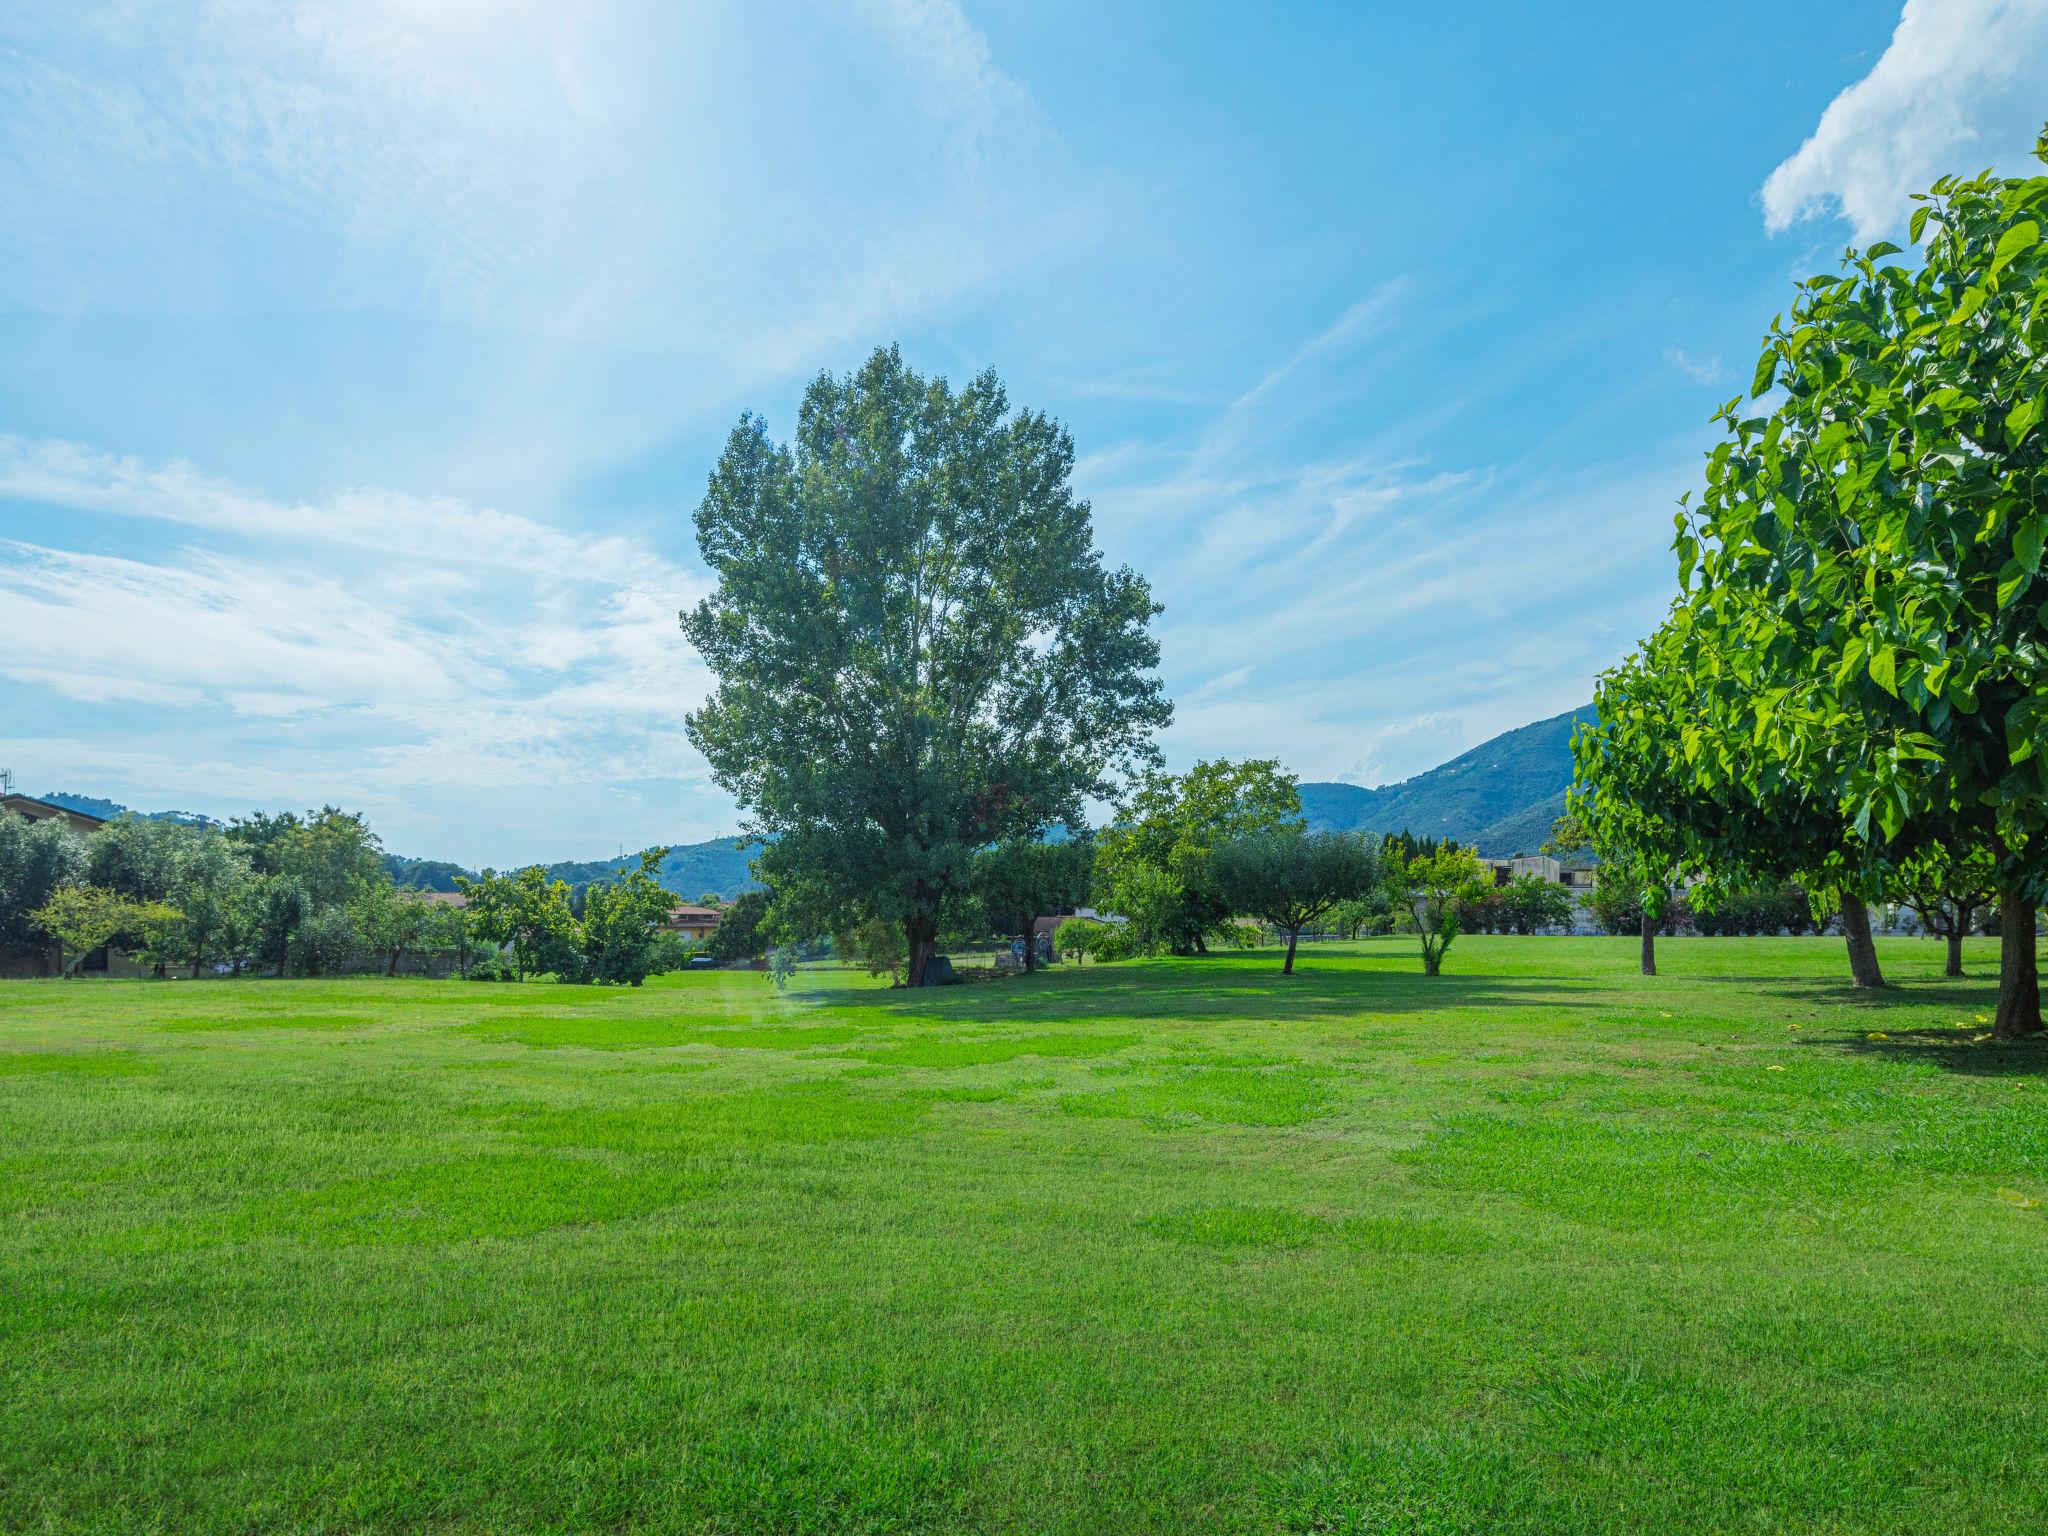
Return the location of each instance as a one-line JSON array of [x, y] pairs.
[[1649, 945], [1863, 968], [2019, 976], [939, 972]]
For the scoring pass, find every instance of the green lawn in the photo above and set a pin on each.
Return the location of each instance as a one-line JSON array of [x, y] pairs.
[[1174, 1246]]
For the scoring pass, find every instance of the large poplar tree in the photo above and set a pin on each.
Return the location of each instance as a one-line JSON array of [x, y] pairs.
[[918, 648]]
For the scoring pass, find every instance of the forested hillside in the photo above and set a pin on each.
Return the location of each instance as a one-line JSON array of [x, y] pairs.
[[1500, 797]]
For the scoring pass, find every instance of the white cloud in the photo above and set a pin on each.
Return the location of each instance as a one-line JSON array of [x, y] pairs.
[[388, 645], [1708, 372], [1963, 85]]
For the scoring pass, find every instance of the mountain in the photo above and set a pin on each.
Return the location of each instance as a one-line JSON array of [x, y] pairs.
[[1500, 797], [690, 869]]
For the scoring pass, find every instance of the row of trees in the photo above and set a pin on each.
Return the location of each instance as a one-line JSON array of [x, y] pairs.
[[309, 895], [1851, 689]]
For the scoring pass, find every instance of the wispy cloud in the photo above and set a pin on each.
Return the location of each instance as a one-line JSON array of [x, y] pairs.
[[1708, 372], [1961, 86], [396, 644]]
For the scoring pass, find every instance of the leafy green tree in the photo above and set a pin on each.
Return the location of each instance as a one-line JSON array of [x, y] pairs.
[[392, 923], [326, 942], [215, 893], [1289, 878], [875, 945], [282, 910], [1670, 788], [1020, 881], [1076, 938], [1165, 832], [622, 921], [1950, 891], [447, 930], [140, 858], [1530, 904], [1432, 886], [742, 931], [919, 651], [37, 859], [83, 917], [331, 854], [1867, 554]]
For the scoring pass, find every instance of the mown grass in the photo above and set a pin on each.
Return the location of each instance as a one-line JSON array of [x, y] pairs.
[[1176, 1246]]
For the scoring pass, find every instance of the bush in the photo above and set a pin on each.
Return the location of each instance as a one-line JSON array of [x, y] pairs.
[[492, 965], [668, 952]]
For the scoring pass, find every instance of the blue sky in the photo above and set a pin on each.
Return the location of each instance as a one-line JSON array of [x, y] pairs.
[[365, 360]]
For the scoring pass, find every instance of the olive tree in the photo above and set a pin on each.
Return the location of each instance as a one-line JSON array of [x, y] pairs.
[[1289, 879]]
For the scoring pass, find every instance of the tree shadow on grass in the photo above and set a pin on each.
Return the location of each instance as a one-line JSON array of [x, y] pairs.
[[1205, 989], [1952, 1050]]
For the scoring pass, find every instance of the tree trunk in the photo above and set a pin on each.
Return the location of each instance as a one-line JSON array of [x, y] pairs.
[[1030, 947], [1863, 967], [919, 945], [1649, 945], [1955, 951], [2019, 980], [1287, 968]]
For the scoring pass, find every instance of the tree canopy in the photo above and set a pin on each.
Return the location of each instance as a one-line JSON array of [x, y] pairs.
[[1290, 878]]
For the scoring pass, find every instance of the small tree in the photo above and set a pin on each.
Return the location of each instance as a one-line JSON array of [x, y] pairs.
[[215, 894], [1075, 938], [83, 917], [621, 920], [1290, 879], [741, 933], [1950, 892], [1021, 881], [1164, 833], [1432, 887]]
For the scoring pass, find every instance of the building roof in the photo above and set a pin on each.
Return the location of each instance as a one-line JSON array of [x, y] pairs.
[[44, 810], [694, 914]]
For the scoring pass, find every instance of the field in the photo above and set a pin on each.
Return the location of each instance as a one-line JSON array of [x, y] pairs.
[[1173, 1246]]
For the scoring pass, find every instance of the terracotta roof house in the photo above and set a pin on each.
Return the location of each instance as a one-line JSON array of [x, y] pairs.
[[693, 922]]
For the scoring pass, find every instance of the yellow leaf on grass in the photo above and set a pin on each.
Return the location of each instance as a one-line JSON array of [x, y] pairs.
[[1877, 1034], [2014, 1197], [1983, 1018], [1795, 1026], [1774, 1067]]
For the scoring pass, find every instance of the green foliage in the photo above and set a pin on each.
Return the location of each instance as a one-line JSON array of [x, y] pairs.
[[622, 920], [1291, 878], [1022, 880], [1863, 569], [742, 932], [37, 859], [217, 896], [139, 858], [875, 945], [1433, 886], [83, 917], [1162, 837], [1076, 938], [919, 652], [1526, 904], [331, 854], [530, 912], [326, 942]]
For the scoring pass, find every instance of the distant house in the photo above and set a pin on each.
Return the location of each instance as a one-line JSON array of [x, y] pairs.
[[1541, 865], [42, 810], [695, 923]]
